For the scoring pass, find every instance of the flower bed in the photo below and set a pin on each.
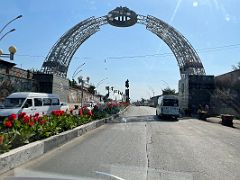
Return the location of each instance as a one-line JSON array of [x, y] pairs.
[[21, 129]]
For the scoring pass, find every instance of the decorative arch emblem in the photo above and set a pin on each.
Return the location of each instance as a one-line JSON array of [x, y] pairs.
[[59, 58]]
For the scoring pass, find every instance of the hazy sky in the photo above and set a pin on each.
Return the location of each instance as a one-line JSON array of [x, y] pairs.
[[211, 26]]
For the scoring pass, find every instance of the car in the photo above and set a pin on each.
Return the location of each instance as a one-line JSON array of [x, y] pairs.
[[89, 105], [64, 106]]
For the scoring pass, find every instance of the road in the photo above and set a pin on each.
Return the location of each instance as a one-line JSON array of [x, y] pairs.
[[142, 147]]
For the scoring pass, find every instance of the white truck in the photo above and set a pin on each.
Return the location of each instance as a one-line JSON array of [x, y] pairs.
[[168, 107]]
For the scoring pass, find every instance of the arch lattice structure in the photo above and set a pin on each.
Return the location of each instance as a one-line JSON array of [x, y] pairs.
[[59, 58]]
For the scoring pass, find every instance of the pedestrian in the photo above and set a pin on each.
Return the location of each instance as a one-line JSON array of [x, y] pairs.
[[199, 108], [206, 108]]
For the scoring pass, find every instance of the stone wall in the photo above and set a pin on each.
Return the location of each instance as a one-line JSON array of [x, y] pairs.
[[230, 83], [75, 94], [226, 98], [13, 79]]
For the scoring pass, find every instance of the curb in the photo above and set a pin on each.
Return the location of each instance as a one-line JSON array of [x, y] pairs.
[[114, 117], [18, 156], [23, 154]]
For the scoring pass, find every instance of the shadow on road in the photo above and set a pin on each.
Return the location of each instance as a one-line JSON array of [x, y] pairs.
[[146, 118]]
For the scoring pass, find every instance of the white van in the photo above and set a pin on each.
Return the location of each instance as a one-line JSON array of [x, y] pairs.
[[30, 103], [167, 106]]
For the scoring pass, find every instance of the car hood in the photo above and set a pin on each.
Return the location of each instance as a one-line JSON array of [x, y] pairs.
[[7, 112]]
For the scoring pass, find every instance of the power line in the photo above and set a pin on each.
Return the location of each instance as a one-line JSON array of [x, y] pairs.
[[202, 50]]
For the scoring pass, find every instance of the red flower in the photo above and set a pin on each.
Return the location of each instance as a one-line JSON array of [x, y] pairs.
[[35, 119], [43, 121], [26, 119], [58, 113], [36, 115], [31, 123], [90, 113], [62, 112], [43, 113], [8, 124], [21, 115], [12, 117], [81, 112]]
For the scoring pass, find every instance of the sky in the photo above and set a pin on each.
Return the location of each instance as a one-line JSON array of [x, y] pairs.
[[211, 26]]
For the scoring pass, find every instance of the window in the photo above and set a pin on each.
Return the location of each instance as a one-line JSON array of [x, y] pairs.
[[13, 102], [55, 101], [28, 103], [46, 101], [37, 101], [170, 102]]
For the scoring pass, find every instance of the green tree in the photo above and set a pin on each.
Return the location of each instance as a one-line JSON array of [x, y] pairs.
[[91, 89], [168, 91]]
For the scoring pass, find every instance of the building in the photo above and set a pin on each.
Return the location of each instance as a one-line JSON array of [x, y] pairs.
[[195, 90], [14, 79]]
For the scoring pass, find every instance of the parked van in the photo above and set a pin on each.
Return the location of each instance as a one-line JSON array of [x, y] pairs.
[[30, 103], [167, 106]]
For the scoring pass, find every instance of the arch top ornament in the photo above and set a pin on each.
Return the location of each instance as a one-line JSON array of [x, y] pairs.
[[59, 58]]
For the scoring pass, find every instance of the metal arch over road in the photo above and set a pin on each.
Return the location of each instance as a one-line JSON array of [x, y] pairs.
[[59, 58]]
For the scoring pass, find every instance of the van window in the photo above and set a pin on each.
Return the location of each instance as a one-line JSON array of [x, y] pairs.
[[13, 102], [28, 103], [55, 101], [37, 101], [46, 101], [170, 102]]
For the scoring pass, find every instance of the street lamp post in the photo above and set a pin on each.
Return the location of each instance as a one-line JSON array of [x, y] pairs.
[[76, 72], [80, 80], [12, 50], [10, 23], [165, 83], [100, 82], [7, 33]]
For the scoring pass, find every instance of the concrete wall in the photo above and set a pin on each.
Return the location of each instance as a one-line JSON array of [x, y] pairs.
[[183, 93], [61, 87]]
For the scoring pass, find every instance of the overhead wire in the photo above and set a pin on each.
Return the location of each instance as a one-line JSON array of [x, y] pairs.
[[201, 50]]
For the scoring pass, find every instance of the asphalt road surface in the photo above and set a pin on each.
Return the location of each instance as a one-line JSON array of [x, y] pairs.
[[142, 147]]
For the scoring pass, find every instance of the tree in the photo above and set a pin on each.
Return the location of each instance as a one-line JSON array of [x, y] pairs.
[[236, 67], [168, 91], [91, 89], [72, 82]]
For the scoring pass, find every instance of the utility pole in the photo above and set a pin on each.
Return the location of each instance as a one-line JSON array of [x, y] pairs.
[[127, 91]]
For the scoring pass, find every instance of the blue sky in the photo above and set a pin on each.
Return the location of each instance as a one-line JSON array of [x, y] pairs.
[[206, 24]]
